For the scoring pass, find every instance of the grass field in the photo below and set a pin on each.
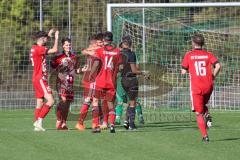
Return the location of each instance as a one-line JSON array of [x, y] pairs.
[[158, 141]]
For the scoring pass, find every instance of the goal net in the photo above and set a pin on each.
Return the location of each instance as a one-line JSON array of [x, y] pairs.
[[162, 35]]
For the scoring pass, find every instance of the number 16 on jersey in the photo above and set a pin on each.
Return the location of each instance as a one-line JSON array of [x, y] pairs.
[[200, 67]]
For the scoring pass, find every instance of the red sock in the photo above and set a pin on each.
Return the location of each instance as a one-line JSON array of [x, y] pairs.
[[105, 118], [100, 112], [105, 112], [83, 113], [201, 125], [44, 111], [112, 116], [36, 113], [95, 116], [58, 112]]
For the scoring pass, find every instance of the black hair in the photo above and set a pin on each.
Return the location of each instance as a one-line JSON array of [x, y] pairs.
[[127, 40], [39, 34], [108, 36], [198, 39], [65, 39], [125, 43], [99, 36]]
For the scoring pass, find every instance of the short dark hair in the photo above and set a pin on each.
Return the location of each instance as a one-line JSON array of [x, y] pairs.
[[198, 39], [65, 39], [39, 34], [108, 36], [127, 40], [99, 36]]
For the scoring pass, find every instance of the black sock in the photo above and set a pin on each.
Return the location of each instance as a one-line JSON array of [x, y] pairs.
[[132, 117], [127, 114]]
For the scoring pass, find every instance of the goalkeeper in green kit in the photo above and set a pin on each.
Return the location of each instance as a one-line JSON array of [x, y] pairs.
[[121, 98]]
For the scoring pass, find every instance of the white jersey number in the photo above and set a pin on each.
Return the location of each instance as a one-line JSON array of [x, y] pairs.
[[200, 67], [108, 62]]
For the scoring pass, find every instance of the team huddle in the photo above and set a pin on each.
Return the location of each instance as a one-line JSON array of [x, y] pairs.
[[110, 74], [105, 63]]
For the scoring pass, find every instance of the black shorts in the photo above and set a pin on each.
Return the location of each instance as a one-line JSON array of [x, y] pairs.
[[130, 85]]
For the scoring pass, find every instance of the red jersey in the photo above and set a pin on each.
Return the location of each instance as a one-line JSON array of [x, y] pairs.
[[38, 59], [199, 64], [110, 60], [89, 62]]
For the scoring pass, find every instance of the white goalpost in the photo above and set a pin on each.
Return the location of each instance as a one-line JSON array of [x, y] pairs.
[[163, 31]]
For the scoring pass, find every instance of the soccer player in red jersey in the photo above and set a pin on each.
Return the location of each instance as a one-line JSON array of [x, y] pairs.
[[203, 67], [40, 76], [95, 42], [109, 60], [65, 65]]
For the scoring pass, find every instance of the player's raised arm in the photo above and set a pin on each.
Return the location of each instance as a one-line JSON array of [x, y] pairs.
[[51, 32], [89, 51], [95, 42], [54, 49]]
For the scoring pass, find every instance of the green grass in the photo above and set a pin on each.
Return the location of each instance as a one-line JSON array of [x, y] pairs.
[[159, 141]]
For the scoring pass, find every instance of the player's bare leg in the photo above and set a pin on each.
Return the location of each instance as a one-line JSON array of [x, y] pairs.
[[44, 111], [37, 112]]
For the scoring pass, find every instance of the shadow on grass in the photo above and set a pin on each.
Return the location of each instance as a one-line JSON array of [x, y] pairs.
[[164, 126], [228, 139]]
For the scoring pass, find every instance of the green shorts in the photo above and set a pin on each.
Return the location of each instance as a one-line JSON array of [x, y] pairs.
[[121, 94]]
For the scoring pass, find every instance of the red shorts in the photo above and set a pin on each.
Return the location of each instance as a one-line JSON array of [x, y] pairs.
[[69, 95], [41, 88], [199, 101], [107, 94]]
